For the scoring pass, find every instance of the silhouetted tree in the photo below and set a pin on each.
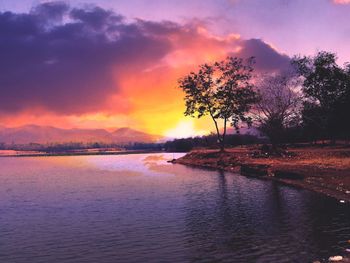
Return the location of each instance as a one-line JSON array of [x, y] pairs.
[[223, 91], [279, 104], [314, 121], [326, 85]]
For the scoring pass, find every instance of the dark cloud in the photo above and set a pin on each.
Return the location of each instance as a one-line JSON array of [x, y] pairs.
[[67, 60], [165, 28], [50, 11], [96, 17], [267, 58], [68, 67]]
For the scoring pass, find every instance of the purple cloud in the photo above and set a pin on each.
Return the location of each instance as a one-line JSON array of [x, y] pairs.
[[267, 58], [67, 60], [68, 67]]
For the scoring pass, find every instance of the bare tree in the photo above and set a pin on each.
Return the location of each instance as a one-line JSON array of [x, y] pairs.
[[279, 104]]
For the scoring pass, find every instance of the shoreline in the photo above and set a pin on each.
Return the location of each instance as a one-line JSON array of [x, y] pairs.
[[325, 170], [44, 154]]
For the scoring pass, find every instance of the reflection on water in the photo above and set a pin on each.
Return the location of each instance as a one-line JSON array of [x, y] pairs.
[[139, 208]]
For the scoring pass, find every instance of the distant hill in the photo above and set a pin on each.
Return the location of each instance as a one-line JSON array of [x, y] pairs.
[[46, 134]]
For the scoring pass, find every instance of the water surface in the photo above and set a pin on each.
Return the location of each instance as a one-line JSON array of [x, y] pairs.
[[138, 208]]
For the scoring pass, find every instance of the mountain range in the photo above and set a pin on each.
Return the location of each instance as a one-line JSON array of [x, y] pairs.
[[46, 134]]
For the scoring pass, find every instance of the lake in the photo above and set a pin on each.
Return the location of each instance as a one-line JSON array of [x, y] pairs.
[[139, 208]]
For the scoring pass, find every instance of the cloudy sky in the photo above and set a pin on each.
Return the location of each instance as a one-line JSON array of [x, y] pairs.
[[107, 64]]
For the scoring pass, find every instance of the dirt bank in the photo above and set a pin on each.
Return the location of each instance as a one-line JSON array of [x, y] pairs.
[[324, 170]]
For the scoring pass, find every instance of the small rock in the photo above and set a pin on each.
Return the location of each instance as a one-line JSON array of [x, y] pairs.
[[316, 261], [335, 258], [342, 201], [347, 192], [347, 250]]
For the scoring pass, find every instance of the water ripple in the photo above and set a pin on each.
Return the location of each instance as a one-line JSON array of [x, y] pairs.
[[138, 208]]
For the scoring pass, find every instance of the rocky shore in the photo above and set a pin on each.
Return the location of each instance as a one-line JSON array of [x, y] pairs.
[[324, 170]]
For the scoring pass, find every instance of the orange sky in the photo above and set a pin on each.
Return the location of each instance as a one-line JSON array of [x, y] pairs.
[[147, 99], [91, 67]]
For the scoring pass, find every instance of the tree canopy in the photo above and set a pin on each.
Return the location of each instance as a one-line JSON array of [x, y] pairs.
[[326, 85], [310, 103], [222, 90], [279, 104]]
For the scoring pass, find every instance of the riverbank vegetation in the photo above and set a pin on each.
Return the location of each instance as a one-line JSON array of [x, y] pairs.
[[309, 103], [302, 117]]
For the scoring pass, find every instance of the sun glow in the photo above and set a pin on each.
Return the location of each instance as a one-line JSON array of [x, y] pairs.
[[183, 129]]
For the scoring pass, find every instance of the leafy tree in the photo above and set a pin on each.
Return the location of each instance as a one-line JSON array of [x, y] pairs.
[[326, 86], [279, 104], [223, 91], [314, 121]]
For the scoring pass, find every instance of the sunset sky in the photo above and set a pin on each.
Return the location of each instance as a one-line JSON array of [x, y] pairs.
[[109, 64]]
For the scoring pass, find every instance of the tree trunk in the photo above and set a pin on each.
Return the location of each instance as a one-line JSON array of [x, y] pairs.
[[222, 145], [217, 132]]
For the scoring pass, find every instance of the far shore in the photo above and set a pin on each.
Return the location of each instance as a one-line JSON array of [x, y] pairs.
[[323, 170], [13, 153]]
